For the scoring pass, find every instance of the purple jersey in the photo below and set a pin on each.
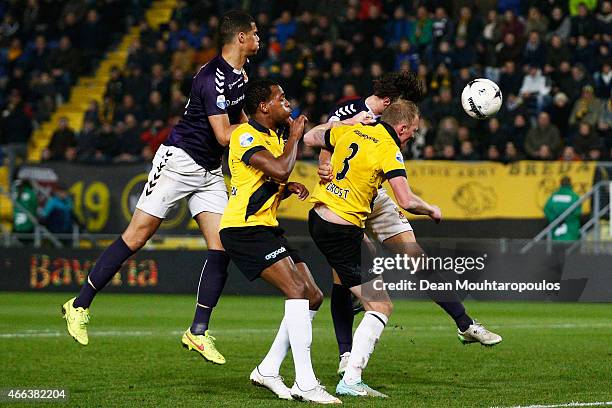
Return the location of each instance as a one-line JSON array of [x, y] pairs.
[[217, 89], [348, 109]]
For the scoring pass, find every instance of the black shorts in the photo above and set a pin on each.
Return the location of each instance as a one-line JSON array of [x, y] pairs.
[[341, 246], [256, 248]]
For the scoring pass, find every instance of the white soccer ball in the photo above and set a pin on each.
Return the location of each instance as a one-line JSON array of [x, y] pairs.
[[481, 98]]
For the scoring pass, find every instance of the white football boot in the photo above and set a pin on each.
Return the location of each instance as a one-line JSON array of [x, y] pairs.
[[477, 333], [318, 395], [274, 384]]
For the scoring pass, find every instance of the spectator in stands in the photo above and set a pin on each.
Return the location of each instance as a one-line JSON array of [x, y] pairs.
[[582, 21], [468, 26], [448, 152], [493, 153], [156, 110], [205, 53], [534, 53], [63, 143], [560, 24], [183, 57], [569, 154], [286, 27], [560, 112], [15, 125], [446, 134], [115, 86], [587, 108], [106, 144], [603, 80], [510, 80], [543, 140], [57, 213], [557, 53], [535, 87], [536, 22], [556, 205], [128, 107], [587, 140], [158, 133], [467, 152], [511, 153], [495, 135], [130, 146], [509, 50], [87, 142], [92, 113]]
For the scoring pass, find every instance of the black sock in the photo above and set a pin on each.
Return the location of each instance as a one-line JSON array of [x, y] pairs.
[[342, 315], [447, 300], [212, 281], [106, 267]]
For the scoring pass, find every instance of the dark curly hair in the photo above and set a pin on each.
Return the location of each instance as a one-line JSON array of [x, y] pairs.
[[394, 85], [256, 92]]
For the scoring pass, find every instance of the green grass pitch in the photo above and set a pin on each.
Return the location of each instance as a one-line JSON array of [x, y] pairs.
[[551, 354]]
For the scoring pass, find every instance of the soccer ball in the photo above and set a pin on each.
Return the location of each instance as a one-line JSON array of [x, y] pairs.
[[481, 98]]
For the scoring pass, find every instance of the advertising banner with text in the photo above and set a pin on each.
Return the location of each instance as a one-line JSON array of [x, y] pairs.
[[105, 197]]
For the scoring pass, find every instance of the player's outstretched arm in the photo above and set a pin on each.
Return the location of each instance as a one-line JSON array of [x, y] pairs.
[[412, 202], [279, 168], [222, 128], [315, 137]]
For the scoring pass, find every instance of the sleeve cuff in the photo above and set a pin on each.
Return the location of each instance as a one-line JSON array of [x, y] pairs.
[[328, 144], [395, 173], [249, 153]]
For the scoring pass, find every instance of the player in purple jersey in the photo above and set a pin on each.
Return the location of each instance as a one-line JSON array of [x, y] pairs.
[[187, 165], [388, 225]]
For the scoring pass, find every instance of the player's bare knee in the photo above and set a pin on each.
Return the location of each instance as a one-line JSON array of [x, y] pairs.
[[134, 240], [315, 298], [295, 289], [385, 307]]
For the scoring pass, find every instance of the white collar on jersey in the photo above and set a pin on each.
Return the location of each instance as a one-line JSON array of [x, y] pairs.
[[370, 110]]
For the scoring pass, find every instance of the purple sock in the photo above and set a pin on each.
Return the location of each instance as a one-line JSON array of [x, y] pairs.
[[342, 315], [212, 281], [447, 300], [106, 267]]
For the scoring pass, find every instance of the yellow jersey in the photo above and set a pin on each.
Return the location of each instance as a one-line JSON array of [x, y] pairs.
[[363, 157], [254, 197]]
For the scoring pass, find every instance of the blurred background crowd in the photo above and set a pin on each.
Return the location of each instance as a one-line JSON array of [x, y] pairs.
[[550, 58]]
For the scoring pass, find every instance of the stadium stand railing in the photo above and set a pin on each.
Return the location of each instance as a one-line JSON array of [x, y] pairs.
[[593, 232], [93, 87]]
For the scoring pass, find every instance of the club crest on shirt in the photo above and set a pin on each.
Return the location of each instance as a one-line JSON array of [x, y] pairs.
[[246, 139], [221, 102]]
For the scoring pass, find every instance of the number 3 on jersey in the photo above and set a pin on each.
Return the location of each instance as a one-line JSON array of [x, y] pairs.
[[354, 147]]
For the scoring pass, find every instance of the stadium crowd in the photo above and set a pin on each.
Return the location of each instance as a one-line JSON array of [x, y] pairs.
[[551, 59]]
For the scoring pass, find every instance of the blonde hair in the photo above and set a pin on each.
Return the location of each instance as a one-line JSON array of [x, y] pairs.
[[400, 111]]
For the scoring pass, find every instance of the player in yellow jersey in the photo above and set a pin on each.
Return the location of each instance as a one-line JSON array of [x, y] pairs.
[[260, 164], [364, 156], [386, 225]]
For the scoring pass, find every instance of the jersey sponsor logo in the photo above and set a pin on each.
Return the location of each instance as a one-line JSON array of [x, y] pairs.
[[221, 102], [335, 190], [399, 157], [274, 254], [246, 139], [234, 83], [367, 137]]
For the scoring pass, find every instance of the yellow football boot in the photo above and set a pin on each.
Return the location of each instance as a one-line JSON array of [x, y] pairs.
[[203, 344], [76, 320]]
